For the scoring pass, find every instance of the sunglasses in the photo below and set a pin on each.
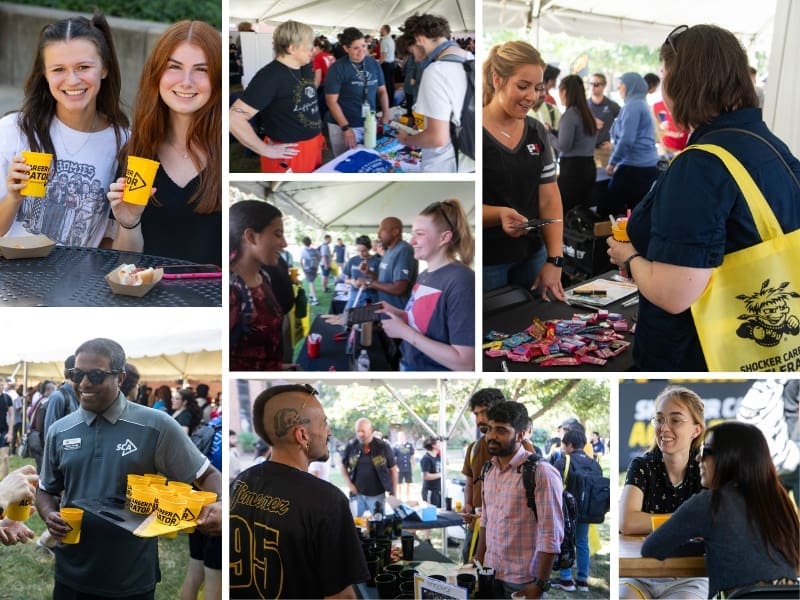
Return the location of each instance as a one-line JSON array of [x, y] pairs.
[[596, 83], [440, 207], [706, 450], [96, 376], [673, 36]]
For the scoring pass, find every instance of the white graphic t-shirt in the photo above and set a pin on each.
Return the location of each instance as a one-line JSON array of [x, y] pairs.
[[75, 210]]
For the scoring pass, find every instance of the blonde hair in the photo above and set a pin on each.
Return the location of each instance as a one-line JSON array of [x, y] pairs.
[[291, 33], [693, 404], [448, 215], [504, 60]]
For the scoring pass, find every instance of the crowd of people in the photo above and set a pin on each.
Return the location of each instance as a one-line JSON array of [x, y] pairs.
[[316, 94], [71, 109], [428, 316]]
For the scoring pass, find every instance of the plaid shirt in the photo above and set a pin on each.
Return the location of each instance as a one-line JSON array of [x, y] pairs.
[[513, 535]]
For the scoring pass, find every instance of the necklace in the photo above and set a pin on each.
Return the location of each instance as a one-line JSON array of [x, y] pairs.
[[184, 153], [86, 136]]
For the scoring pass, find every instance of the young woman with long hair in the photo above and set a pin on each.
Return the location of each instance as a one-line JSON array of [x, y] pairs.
[[658, 482], [177, 120], [519, 176], [256, 240], [577, 133], [747, 521], [437, 328], [70, 110], [186, 411]]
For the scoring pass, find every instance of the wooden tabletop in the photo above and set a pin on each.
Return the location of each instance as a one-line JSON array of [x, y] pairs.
[[633, 564]]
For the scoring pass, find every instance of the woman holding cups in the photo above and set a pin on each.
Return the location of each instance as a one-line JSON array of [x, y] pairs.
[[71, 112], [177, 120]]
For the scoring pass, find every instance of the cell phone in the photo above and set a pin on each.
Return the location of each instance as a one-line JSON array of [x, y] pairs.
[[191, 271], [363, 314]]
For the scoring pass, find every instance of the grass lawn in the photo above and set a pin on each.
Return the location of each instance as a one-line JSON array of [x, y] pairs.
[[31, 568]]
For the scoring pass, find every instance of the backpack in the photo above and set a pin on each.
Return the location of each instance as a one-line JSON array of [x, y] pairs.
[[566, 555], [463, 135], [591, 490], [309, 259], [203, 436]]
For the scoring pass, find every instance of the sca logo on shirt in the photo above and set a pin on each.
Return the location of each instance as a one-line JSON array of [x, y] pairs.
[[127, 448]]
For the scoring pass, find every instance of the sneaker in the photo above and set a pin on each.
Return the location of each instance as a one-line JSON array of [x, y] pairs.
[[564, 584], [44, 548], [314, 302], [583, 586]]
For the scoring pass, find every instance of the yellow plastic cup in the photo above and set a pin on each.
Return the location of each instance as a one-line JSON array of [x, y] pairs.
[[39, 162], [139, 176], [620, 230], [74, 518], [179, 487], [142, 500], [170, 512], [208, 497], [156, 478], [194, 504], [19, 511], [134, 480], [658, 520]]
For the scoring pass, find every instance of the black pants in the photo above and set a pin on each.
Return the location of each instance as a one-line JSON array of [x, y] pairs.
[[627, 187], [576, 180], [388, 77], [62, 592]]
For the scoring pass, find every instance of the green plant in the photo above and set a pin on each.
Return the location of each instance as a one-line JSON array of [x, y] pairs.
[[161, 12]]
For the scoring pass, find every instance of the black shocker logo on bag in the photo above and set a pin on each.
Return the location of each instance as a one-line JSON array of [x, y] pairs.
[[768, 315]]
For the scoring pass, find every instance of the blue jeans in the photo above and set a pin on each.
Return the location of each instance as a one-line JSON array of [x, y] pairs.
[[367, 503], [582, 553], [521, 273]]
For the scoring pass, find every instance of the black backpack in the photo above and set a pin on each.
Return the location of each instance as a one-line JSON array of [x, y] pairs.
[[463, 135], [591, 490], [203, 437], [566, 555]]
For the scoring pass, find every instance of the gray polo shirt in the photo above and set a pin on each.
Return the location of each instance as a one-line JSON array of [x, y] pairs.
[[398, 264], [89, 456]]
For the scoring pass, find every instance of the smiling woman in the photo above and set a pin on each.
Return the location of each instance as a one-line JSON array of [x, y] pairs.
[[177, 120], [71, 112]]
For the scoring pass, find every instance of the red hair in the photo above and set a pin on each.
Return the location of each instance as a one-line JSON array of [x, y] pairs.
[[151, 115]]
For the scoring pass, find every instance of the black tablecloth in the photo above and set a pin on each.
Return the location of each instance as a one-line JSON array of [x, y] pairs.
[[444, 518], [519, 317], [72, 276], [333, 350]]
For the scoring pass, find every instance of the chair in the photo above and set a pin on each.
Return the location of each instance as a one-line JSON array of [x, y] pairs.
[[774, 592], [505, 298]]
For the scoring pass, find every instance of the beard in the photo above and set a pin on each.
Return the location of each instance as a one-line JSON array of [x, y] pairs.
[[498, 449]]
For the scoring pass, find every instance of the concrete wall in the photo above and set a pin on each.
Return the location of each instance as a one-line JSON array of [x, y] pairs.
[[19, 31]]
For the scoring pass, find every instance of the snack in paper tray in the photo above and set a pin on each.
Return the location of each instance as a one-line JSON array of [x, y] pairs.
[[133, 275]]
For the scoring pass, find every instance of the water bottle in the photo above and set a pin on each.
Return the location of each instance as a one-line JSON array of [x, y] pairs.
[[370, 130], [362, 364]]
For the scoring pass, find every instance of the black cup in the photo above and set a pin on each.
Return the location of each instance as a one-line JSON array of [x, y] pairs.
[[407, 575], [466, 580], [386, 583], [485, 582], [373, 564], [385, 546], [448, 504], [394, 569], [407, 541], [398, 526], [380, 528], [377, 554], [438, 577], [407, 587]]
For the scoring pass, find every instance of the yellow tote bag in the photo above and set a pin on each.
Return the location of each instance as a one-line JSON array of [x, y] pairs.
[[747, 318]]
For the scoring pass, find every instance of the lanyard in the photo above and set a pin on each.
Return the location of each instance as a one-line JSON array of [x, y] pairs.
[[363, 76]]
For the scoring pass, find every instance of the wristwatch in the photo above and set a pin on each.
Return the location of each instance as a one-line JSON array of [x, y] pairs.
[[558, 261], [345, 127], [542, 584], [626, 266]]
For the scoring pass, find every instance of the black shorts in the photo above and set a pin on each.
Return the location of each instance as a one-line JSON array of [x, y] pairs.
[[405, 477], [207, 548], [3, 442]]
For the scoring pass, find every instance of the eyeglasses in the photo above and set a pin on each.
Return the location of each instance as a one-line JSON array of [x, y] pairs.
[[440, 207], [596, 83], [96, 376], [705, 451], [673, 36], [673, 421]]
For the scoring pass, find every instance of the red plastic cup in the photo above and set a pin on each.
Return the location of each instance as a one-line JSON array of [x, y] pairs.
[[314, 343]]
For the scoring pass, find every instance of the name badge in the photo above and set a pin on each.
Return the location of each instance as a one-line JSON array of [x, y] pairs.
[[71, 444], [365, 109]]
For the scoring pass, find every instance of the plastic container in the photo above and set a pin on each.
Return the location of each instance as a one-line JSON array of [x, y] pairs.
[[362, 364], [370, 130]]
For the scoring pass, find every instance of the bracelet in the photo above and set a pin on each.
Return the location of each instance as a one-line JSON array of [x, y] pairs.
[[134, 226], [626, 266]]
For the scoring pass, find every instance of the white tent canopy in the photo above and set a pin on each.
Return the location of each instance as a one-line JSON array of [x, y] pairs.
[[631, 21], [367, 15], [356, 205], [172, 344]]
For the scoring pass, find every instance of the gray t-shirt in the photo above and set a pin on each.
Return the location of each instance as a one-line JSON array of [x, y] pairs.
[[398, 264], [572, 137], [89, 456]]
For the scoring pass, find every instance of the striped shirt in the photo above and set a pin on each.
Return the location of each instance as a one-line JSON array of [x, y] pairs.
[[513, 535]]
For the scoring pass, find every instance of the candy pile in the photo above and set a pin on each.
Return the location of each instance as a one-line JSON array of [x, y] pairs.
[[585, 339]]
